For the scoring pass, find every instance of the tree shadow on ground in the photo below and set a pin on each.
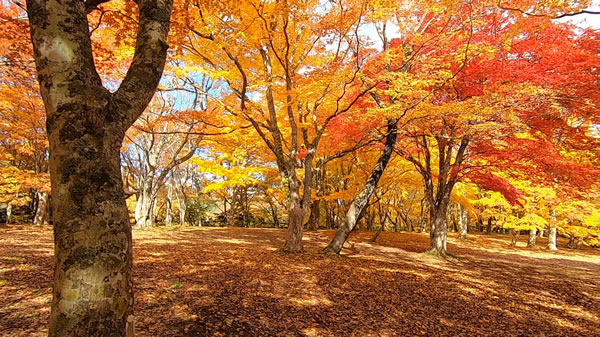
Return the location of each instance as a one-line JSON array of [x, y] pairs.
[[236, 282]]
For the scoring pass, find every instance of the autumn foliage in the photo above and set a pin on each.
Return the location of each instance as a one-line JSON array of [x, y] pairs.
[[429, 116]]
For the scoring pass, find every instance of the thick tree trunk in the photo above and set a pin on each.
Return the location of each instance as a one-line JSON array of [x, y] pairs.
[[552, 238], [92, 291], [293, 242], [41, 212], [532, 237], [92, 278], [315, 215], [144, 219], [362, 199], [439, 232]]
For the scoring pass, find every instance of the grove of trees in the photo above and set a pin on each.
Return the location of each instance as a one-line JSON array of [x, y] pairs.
[[429, 115]]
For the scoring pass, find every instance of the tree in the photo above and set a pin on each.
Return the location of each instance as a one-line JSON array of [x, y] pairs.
[[289, 77], [155, 148], [86, 123]]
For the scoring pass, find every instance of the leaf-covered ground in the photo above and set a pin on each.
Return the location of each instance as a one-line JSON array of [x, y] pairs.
[[235, 282]]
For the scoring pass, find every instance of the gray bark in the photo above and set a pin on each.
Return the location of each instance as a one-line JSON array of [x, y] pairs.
[[462, 222], [552, 238], [169, 209], [92, 290], [41, 212], [8, 214], [532, 237]]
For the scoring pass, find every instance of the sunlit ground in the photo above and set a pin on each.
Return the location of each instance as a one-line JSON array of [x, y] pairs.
[[235, 282]]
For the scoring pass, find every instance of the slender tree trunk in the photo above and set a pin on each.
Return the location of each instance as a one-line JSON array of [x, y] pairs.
[[181, 202], [86, 124], [532, 237], [145, 216], [169, 210], [362, 199], [552, 238], [462, 223], [571, 243], [514, 237], [8, 214], [41, 212], [488, 229], [274, 214]]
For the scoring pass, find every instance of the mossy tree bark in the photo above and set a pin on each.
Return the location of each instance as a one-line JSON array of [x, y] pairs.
[[92, 293]]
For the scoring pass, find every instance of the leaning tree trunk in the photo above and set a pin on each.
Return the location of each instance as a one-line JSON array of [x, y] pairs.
[[41, 212], [552, 239], [92, 290], [362, 199], [532, 237]]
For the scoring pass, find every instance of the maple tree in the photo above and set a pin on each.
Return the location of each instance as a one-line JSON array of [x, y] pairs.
[[376, 115], [294, 42]]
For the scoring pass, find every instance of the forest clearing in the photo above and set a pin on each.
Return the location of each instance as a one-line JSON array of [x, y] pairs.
[[237, 282], [299, 168]]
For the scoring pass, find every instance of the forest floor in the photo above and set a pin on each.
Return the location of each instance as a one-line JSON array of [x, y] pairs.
[[236, 282]]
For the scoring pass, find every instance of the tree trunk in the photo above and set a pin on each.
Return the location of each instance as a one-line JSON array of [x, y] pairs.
[[181, 202], [514, 237], [439, 232], [92, 290], [552, 238], [362, 199], [571, 243], [92, 278], [462, 223], [169, 210], [8, 213], [315, 215], [532, 237], [145, 216], [41, 211], [293, 242], [488, 229]]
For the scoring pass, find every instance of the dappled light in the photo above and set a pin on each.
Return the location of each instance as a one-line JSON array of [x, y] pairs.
[[232, 282]]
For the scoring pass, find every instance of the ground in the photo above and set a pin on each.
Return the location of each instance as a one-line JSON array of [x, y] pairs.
[[236, 282]]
